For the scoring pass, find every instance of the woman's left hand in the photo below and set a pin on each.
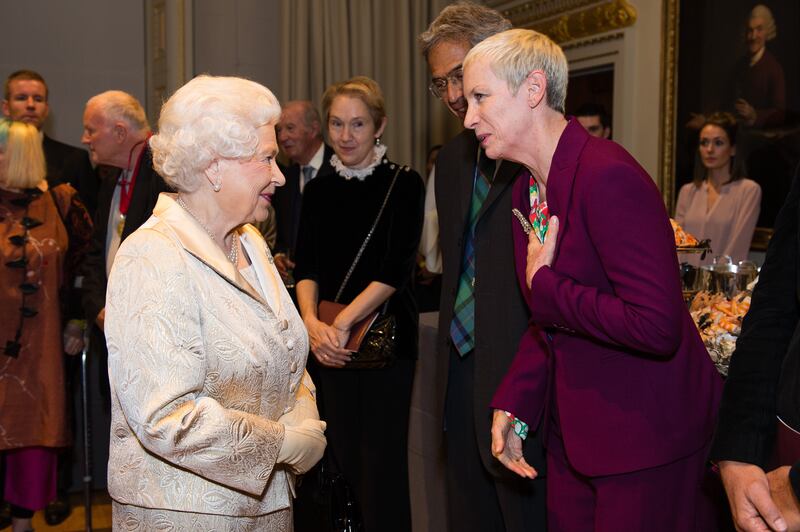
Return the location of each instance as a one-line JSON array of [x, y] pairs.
[[73, 338], [507, 446], [540, 255], [326, 343]]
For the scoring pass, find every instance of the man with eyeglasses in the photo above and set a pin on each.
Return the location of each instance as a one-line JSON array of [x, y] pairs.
[[482, 313]]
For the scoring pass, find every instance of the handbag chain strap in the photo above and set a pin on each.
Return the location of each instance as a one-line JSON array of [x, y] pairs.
[[368, 237]]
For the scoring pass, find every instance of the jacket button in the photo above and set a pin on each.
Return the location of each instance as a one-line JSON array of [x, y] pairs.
[[293, 366], [292, 387], [284, 325], [290, 344]]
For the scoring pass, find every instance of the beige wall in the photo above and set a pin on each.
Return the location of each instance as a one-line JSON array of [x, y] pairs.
[[637, 104], [81, 47], [239, 37]]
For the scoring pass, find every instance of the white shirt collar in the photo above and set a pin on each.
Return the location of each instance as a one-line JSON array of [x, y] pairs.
[[316, 160], [759, 54]]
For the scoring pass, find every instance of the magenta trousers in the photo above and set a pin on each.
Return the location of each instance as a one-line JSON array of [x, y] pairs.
[[30, 481], [661, 499]]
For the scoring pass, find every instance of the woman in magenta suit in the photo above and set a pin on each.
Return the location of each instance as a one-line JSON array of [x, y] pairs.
[[611, 368]]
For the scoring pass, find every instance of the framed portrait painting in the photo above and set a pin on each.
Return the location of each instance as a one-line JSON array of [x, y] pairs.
[[739, 57]]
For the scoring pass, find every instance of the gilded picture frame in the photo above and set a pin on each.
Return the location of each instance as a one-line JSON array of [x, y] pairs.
[[709, 64]]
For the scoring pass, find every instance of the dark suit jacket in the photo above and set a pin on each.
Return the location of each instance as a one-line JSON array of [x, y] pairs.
[[67, 164], [145, 193], [634, 385], [764, 377], [288, 200], [500, 311]]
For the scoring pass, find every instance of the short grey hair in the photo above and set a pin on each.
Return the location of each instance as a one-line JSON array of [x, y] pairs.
[[210, 118], [121, 106], [462, 22], [310, 114], [514, 54], [764, 13]]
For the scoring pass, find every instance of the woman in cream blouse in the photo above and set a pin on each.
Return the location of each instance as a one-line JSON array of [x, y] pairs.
[[720, 204], [212, 411]]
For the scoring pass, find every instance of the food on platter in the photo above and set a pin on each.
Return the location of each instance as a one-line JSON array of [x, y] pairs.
[[719, 320], [682, 238]]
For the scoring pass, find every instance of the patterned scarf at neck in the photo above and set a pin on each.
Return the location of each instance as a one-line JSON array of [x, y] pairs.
[[540, 214]]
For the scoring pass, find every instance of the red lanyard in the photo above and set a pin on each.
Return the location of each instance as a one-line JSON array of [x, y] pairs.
[[127, 185]]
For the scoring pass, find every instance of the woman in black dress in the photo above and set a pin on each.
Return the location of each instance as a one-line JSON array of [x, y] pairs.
[[366, 409]]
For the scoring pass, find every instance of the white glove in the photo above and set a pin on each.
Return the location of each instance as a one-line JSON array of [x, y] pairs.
[[305, 406], [303, 445]]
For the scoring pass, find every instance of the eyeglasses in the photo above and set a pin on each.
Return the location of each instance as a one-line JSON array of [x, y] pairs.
[[454, 78]]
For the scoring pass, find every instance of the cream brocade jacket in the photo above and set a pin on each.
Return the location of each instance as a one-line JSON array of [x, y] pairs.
[[201, 367]]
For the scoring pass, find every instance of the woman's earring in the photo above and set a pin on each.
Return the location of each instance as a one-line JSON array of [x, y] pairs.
[[217, 185], [377, 141]]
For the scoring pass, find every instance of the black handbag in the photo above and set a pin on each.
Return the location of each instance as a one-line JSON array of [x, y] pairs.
[[373, 339], [342, 510]]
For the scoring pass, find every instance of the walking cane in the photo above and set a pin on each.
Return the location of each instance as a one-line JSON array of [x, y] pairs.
[[87, 434]]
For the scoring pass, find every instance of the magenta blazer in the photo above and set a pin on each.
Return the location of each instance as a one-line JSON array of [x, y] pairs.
[[610, 338]]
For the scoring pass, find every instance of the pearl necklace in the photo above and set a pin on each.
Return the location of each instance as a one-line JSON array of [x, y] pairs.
[[233, 254]]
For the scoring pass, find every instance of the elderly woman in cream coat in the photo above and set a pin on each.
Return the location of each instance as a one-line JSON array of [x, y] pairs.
[[212, 411]]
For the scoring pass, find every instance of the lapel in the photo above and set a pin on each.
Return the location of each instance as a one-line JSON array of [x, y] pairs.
[[256, 248], [466, 171], [561, 179], [504, 177], [145, 193], [197, 242], [108, 176]]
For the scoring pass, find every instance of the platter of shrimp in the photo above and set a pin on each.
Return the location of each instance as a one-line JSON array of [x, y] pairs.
[[719, 320]]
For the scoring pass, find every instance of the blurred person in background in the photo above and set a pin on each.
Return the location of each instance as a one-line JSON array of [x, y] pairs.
[[367, 409], [720, 204], [44, 234]]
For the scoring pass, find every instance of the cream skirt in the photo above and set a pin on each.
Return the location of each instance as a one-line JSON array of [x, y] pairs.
[[135, 518]]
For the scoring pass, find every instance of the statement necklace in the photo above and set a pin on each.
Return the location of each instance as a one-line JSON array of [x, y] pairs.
[[233, 254]]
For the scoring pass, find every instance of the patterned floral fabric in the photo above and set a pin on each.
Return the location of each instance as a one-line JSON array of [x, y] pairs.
[[539, 215], [125, 517], [201, 367]]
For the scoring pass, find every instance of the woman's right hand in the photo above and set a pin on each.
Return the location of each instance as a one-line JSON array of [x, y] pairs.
[[327, 344], [303, 445]]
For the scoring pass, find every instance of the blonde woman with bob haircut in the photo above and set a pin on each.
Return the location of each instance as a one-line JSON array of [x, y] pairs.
[[633, 393], [44, 234], [212, 412], [367, 409]]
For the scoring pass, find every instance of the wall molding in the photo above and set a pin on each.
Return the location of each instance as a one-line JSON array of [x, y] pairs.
[[569, 20], [668, 106]]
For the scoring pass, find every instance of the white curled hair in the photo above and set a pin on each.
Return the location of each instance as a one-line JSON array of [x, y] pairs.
[[764, 13], [209, 118]]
